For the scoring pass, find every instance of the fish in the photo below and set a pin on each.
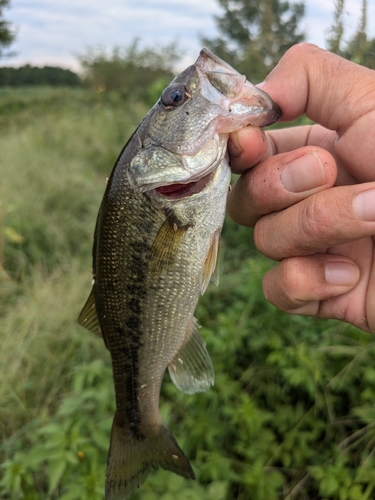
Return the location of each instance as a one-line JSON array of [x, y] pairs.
[[156, 247]]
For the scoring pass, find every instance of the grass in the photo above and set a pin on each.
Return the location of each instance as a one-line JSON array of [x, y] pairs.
[[291, 413], [56, 153]]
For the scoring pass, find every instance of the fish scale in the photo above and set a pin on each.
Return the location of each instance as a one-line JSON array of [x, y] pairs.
[[155, 249]]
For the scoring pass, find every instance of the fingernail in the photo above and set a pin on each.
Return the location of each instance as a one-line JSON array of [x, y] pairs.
[[303, 174], [364, 205], [234, 148], [341, 273]]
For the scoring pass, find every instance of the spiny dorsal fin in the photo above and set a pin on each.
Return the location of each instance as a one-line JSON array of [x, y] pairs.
[[166, 246], [211, 266], [191, 369], [88, 317]]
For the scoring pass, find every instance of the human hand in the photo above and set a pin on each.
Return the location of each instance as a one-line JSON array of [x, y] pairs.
[[311, 193]]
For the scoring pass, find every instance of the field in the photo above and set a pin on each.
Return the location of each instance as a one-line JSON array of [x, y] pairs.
[[292, 412]]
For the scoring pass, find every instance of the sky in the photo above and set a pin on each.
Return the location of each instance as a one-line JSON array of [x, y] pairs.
[[56, 32]]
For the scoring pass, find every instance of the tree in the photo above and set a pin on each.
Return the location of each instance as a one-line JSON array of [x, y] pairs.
[[6, 33], [140, 73], [336, 32], [359, 49], [254, 34]]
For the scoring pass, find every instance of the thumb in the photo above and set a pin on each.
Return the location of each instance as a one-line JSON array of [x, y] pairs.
[[334, 92], [330, 90]]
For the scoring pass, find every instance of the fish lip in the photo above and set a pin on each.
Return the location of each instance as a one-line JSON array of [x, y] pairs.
[[274, 113], [271, 110], [208, 61], [187, 189]]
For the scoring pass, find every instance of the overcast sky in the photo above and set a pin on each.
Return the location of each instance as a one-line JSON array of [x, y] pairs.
[[54, 32]]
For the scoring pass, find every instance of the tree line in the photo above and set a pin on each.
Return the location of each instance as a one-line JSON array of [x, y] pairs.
[[31, 75]]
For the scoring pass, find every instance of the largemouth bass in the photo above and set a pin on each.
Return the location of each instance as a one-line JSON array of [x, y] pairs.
[[155, 250]]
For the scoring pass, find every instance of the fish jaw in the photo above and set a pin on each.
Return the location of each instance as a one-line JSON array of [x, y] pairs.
[[174, 168], [187, 200], [229, 103], [242, 103]]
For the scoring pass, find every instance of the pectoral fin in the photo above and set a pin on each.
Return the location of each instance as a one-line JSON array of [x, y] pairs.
[[166, 246], [191, 369], [211, 266]]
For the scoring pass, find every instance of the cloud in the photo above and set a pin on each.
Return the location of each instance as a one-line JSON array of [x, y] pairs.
[[55, 31], [319, 19]]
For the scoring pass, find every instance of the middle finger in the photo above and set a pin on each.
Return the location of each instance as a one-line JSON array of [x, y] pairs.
[[328, 218]]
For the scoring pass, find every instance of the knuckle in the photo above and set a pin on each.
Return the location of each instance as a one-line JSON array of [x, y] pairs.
[[291, 283], [302, 50], [282, 285], [316, 216], [322, 217], [260, 235]]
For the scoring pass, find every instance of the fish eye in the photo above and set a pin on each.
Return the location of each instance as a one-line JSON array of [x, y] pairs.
[[174, 95]]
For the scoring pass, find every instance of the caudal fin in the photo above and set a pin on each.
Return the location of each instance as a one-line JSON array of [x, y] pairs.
[[131, 458]]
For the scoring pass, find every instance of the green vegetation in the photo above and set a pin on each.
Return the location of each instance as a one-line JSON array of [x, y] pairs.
[[359, 48], [136, 73], [7, 35], [291, 415]]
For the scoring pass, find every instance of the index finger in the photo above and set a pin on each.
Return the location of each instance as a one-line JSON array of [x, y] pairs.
[[251, 145], [336, 93], [330, 90]]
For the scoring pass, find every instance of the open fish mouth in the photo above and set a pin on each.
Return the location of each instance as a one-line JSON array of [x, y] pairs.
[[183, 190], [178, 191]]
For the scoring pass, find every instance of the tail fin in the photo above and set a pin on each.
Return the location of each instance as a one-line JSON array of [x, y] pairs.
[[130, 459]]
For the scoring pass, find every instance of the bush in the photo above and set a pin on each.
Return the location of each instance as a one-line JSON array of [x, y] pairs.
[[138, 74]]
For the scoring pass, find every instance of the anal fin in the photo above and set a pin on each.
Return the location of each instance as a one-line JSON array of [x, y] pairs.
[[191, 369]]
